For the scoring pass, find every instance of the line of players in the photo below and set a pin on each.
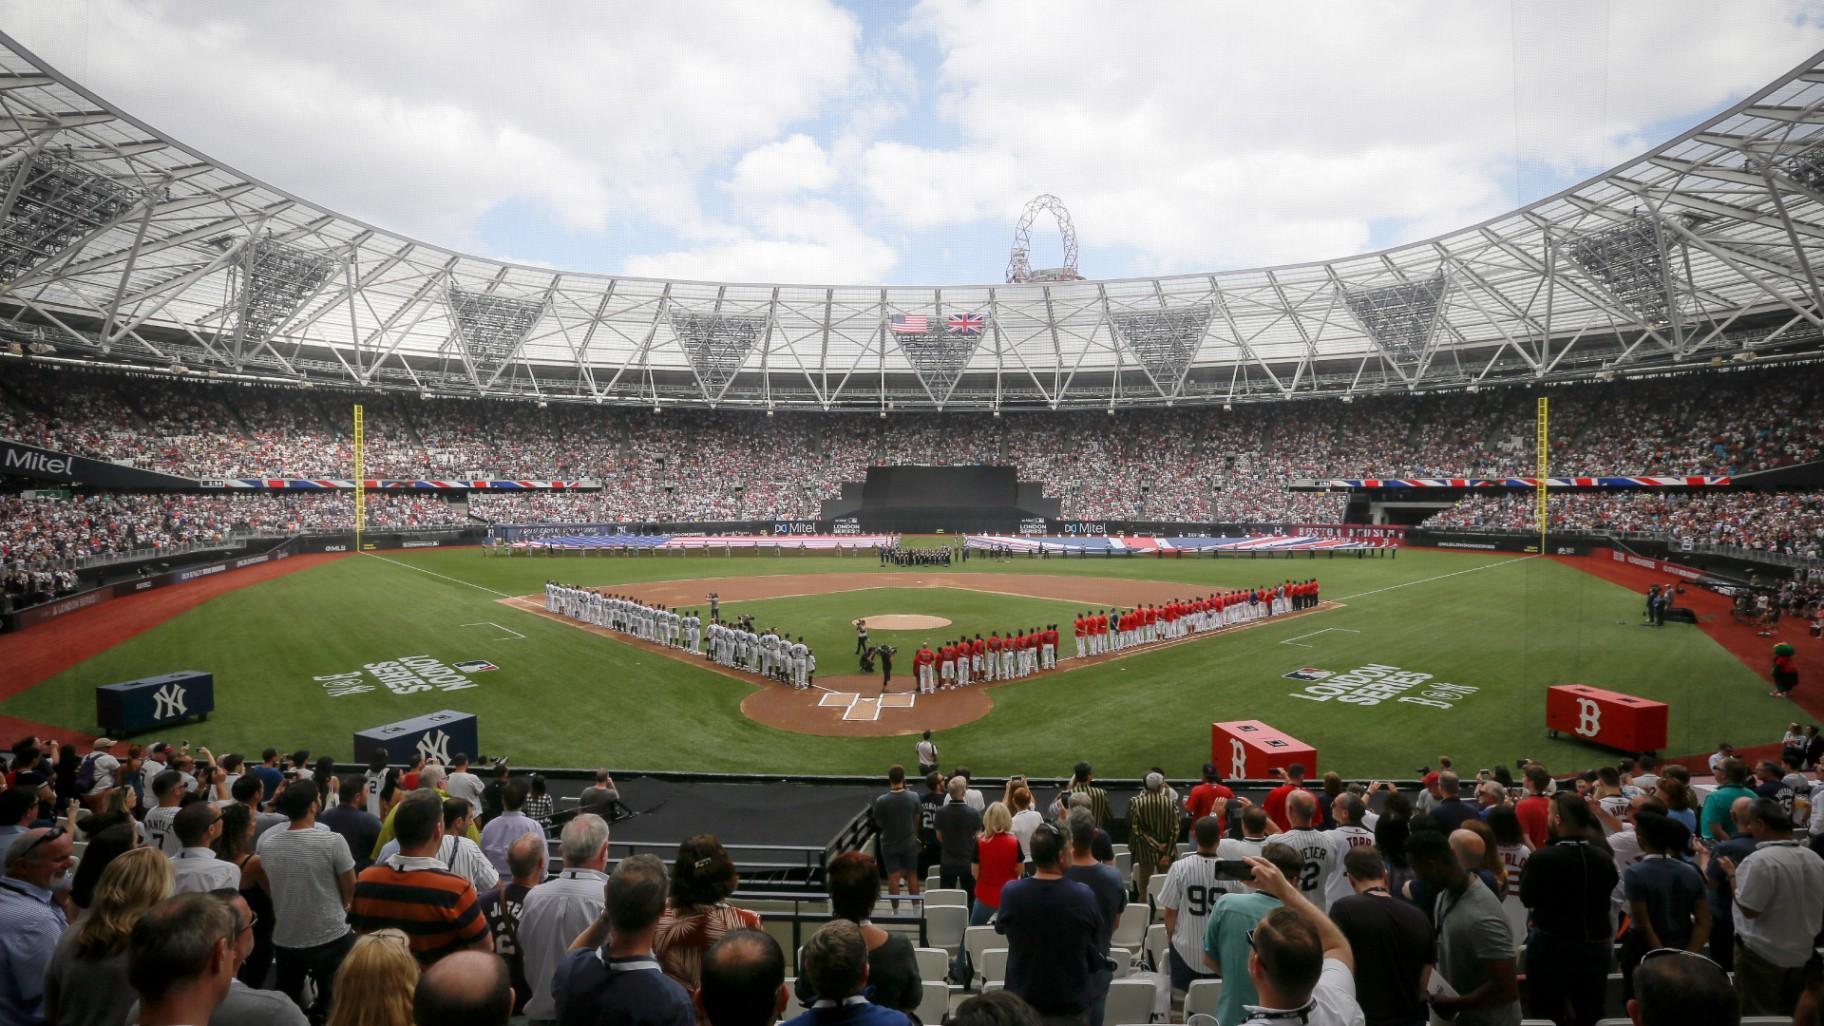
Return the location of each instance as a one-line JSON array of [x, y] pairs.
[[958, 663], [1098, 633], [740, 647]]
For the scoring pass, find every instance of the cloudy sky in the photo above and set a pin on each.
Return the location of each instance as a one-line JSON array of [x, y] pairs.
[[827, 142]]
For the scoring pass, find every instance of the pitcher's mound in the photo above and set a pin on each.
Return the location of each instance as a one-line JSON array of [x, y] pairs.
[[905, 622]]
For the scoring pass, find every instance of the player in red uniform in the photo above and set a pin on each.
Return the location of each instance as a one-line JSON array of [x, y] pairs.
[[946, 665], [1050, 649], [1101, 634], [1079, 632], [922, 662], [977, 656]]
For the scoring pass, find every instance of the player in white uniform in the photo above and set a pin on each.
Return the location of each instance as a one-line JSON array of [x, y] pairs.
[[1323, 852], [810, 668], [799, 651]]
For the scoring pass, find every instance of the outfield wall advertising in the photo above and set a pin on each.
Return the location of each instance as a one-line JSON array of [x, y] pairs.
[[63, 607]]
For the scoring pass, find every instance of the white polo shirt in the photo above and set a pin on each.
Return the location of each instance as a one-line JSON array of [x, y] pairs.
[[1783, 881]]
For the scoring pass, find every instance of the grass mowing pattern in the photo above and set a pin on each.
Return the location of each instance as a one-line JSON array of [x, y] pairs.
[[1506, 626]]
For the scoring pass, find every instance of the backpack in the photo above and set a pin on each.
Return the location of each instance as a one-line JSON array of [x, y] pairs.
[[85, 774]]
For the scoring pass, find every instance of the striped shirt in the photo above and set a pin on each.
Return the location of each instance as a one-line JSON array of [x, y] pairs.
[[433, 906], [1191, 888], [1098, 801], [158, 829], [1152, 827], [303, 868]]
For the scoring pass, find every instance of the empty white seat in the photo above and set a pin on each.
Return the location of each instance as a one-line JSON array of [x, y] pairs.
[[1124, 962], [993, 968], [1202, 997], [941, 896], [1124, 864], [933, 964], [977, 939], [1154, 885], [933, 1002], [1130, 932], [1130, 1001], [1158, 943], [945, 925], [1516, 919]]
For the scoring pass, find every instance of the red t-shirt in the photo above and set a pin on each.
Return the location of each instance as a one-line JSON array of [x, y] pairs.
[[1000, 861], [1275, 804], [1531, 812], [1203, 798]]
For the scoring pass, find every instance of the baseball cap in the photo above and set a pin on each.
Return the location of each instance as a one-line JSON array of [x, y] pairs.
[[160, 746], [104, 742]]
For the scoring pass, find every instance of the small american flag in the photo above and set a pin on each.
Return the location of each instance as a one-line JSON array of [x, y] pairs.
[[965, 324], [908, 324]]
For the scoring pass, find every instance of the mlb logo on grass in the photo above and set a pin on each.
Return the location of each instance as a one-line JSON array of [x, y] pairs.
[[480, 666], [1307, 673]]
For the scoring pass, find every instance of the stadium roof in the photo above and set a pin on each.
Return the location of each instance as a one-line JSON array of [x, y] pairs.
[[120, 244]]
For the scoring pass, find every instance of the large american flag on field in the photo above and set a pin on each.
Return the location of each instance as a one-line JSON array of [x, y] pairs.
[[908, 324], [966, 324]]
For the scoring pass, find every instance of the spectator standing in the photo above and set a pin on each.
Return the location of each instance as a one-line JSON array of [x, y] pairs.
[[374, 778], [559, 909], [1192, 885], [37, 862], [1534, 810], [1451, 811], [311, 877], [350, 818], [1321, 850], [1677, 987], [507, 827], [1300, 966], [457, 853], [930, 851], [180, 960], [697, 914], [246, 1005], [1722, 892], [236, 846], [853, 881], [1666, 902], [998, 861], [1391, 940], [958, 825], [268, 774], [1475, 945], [168, 789], [610, 975], [1732, 783], [85, 982], [1104, 882], [926, 750], [413, 892], [468, 988], [744, 975], [1083, 781], [1205, 797], [101, 770], [1567, 887], [502, 906], [836, 962], [1228, 939], [1052, 925], [374, 986], [896, 815], [1026, 819], [538, 805], [1275, 802], [463, 784], [1152, 831], [600, 796], [196, 867], [1779, 901]]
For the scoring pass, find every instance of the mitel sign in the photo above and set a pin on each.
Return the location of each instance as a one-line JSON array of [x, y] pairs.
[[20, 460]]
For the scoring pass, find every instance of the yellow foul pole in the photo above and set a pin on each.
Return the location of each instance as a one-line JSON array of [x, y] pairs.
[[1539, 507], [360, 477]]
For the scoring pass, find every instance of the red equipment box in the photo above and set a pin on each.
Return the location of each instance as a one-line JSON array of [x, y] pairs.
[[1251, 750], [1607, 718]]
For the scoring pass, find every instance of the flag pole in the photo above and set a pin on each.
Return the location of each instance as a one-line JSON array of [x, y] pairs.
[[1539, 504], [360, 477]]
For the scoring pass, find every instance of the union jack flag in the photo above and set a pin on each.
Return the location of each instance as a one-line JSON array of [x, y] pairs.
[[966, 324], [908, 324]]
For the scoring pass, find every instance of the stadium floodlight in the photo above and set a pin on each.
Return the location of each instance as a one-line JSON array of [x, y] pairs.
[[716, 345], [1401, 319], [490, 329], [58, 203], [275, 279], [1631, 262], [1806, 167], [1164, 341]]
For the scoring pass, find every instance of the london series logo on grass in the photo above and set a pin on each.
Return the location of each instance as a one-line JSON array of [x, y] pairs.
[[1307, 673], [475, 666]]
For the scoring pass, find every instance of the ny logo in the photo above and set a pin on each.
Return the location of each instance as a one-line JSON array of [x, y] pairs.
[[435, 747], [169, 702], [1589, 718], [1238, 759]]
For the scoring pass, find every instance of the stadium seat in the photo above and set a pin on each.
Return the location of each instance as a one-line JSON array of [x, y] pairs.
[[993, 966], [792, 1008], [934, 1002], [954, 896], [1119, 848], [1130, 932], [1202, 997], [1516, 919], [1154, 885], [933, 964], [977, 939], [944, 926], [1124, 864], [1612, 1002], [1123, 959], [1130, 1001], [1158, 942]]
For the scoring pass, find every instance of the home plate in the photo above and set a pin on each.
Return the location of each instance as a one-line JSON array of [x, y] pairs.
[[863, 709]]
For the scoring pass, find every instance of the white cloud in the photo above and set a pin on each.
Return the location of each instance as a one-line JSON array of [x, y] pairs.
[[793, 164], [810, 241]]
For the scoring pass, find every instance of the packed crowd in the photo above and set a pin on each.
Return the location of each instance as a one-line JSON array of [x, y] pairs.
[[1787, 523], [48, 532], [1191, 464], [422, 895]]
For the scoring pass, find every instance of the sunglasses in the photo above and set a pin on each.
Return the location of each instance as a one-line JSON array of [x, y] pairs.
[[49, 835]]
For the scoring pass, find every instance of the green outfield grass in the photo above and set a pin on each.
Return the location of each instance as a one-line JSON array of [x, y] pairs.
[[1507, 627]]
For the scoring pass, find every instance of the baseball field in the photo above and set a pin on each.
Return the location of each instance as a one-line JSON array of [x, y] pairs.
[[298, 662]]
